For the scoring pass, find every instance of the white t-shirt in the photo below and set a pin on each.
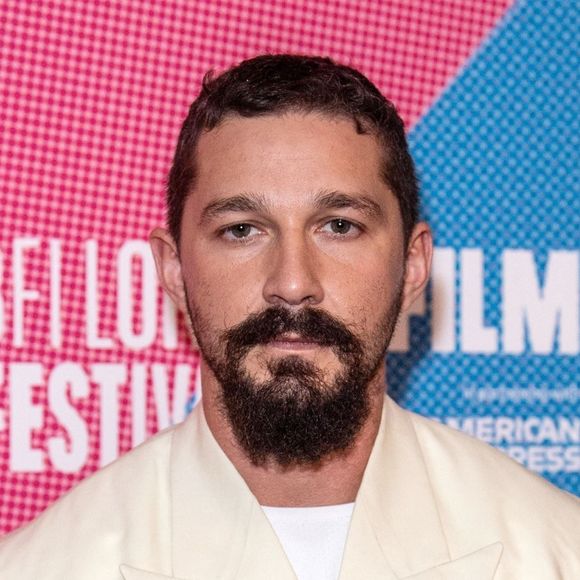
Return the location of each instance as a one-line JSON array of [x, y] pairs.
[[312, 537]]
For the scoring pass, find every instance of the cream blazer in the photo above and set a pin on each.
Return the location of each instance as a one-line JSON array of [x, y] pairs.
[[434, 504]]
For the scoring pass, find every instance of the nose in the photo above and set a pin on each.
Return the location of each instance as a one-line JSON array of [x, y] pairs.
[[293, 274]]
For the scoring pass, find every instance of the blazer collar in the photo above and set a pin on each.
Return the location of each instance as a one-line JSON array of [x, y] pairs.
[[220, 531], [397, 503]]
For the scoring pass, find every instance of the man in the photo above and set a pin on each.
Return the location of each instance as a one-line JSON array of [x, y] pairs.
[[293, 244]]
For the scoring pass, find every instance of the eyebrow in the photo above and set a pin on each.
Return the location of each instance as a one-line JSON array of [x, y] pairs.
[[341, 200], [324, 199], [245, 202]]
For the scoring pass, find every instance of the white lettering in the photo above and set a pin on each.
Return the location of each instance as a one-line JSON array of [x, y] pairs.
[[25, 417], [92, 300], [62, 377], [2, 311], [109, 377], [505, 430], [181, 389], [543, 310], [55, 293], [475, 336], [546, 459], [443, 289], [126, 303], [139, 403], [3, 422], [484, 429], [21, 294]]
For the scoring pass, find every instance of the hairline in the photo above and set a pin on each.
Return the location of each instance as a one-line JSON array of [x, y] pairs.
[[362, 125]]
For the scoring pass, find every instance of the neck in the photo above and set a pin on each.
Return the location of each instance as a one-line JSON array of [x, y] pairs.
[[334, 480]]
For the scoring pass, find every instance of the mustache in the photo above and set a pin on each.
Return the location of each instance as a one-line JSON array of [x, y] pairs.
[[311, 324]]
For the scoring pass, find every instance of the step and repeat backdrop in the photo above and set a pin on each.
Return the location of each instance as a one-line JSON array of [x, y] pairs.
[[93, 359]]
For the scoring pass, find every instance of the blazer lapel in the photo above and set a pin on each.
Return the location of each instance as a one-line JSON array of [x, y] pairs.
[[397, 502], [479, 565], [218, 528]]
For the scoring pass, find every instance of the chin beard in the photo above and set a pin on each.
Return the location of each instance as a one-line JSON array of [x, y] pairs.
[[297, 416]]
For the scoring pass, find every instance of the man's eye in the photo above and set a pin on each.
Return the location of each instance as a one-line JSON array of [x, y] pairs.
[[340, 226], [239, 231]]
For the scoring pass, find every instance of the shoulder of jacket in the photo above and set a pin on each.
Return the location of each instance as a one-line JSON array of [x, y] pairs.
[[478, 486], [86, 527], [448, 447]]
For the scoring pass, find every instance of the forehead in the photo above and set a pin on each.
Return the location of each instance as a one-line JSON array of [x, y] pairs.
[[286, 158]]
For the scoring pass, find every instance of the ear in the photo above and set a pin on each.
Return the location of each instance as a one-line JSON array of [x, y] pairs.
[[417, 263], [168, 266]]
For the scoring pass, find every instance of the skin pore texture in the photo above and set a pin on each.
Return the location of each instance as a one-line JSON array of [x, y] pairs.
[[289, 214]]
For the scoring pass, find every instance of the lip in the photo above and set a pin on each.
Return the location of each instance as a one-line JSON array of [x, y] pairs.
[[292, 341]]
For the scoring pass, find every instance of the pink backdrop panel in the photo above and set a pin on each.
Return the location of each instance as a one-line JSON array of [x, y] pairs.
[[92, 97]]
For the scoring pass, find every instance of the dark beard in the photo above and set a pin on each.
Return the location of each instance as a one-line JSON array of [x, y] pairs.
[[296, 417]]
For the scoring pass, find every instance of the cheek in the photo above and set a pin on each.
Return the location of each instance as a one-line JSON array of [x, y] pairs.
[[368, 282], [365, 296], [223, 292]]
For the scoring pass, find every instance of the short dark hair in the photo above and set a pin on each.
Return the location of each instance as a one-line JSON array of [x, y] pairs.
[[276, 84]]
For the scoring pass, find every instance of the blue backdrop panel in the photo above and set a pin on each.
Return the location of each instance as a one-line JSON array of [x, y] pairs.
[[499, 164]]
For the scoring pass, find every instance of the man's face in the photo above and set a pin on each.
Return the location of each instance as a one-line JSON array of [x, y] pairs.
[[293, 267]]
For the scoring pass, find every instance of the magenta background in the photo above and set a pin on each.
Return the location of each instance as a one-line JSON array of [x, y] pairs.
[[92, 96]]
